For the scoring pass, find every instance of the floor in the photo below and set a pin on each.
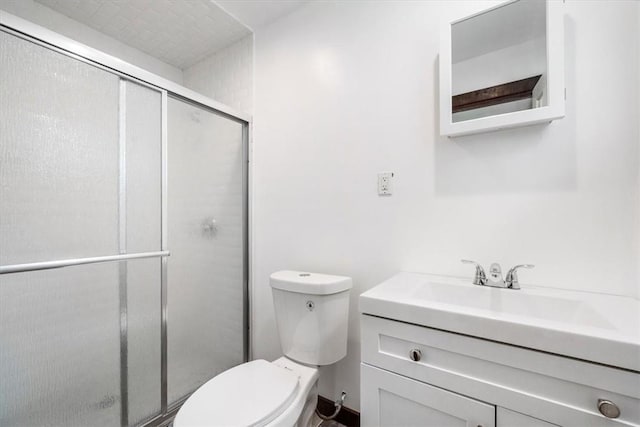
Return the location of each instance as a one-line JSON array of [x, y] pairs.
[[331, 424]]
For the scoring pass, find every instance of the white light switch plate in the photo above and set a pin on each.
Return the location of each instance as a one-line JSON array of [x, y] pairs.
[[384, 183]]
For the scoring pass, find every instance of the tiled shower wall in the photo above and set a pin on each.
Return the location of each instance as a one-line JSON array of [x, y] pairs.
[[226, 76]]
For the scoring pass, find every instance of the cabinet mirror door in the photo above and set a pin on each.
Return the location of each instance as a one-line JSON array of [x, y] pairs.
[[502, 67]]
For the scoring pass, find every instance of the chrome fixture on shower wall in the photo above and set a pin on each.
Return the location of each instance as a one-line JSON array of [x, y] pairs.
[[209, 226]]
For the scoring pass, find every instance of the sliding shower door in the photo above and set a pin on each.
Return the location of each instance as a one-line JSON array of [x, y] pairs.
[[140, 232], [101, 177], [80, 174], [59, 330], [206, 235]]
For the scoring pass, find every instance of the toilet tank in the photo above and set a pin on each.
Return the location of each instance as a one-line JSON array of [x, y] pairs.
[[312, 312]]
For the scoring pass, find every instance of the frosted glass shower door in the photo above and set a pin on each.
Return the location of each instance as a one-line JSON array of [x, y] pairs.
[[59, 329], [80, 177], [205, 300]]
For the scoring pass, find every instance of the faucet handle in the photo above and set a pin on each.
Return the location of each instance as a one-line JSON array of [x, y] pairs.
[[512, 276], [480, 277]]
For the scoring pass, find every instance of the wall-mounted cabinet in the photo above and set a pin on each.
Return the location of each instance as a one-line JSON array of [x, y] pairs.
[[502, 67]]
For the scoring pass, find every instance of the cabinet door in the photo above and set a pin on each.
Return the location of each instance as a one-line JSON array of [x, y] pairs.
[[391, 400], [508, 418]]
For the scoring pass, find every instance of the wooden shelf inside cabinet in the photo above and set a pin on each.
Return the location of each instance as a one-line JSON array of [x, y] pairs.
[[499, 94]]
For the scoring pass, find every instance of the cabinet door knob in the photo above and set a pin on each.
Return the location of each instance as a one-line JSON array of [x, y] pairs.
[[608, 408], [415, 355]]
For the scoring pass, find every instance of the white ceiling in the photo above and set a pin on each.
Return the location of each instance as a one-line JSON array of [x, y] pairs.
[[178, 32], [256, 13]]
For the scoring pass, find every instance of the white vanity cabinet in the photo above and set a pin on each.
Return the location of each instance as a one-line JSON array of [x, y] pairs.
[[395, 400], [515, 419], [414, 375]]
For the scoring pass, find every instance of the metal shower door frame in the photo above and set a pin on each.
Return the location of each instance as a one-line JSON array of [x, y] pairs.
[[127, 72]]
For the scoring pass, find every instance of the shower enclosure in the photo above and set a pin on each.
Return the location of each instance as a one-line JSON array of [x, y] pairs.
[[123, 236]]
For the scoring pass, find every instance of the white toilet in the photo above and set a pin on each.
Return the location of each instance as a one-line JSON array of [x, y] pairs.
[[312, 315]]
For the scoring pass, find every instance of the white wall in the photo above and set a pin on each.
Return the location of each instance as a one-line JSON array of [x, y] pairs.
[[54, 21], [226, 76], [344, 90], [637, 72]]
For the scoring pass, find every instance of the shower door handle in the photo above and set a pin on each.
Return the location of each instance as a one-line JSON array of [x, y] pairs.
[[50, 265]]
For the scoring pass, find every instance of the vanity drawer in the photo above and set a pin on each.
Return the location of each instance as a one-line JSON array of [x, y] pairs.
[[558, 389]]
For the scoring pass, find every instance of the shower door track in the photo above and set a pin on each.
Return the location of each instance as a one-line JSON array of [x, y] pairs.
[[51, 40]]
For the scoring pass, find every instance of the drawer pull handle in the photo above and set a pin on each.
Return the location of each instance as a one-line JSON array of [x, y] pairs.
[[608, 408], [415, 355]]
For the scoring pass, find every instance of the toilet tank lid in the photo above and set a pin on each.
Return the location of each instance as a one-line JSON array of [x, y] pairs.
[[310, 283]]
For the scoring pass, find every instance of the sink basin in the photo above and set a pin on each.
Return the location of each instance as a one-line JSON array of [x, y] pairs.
[[595, 327], [506, 301]]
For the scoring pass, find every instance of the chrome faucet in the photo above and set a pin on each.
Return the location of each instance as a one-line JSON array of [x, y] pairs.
[[512, 276], [495, 279], [480, 277]]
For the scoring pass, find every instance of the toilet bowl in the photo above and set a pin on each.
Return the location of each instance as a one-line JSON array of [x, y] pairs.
[[256, 393], [311, 316]]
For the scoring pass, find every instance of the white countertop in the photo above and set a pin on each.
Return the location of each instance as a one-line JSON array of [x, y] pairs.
[[596, 327]]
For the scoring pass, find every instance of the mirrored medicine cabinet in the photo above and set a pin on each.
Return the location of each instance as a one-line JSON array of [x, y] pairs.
[[502, 67]]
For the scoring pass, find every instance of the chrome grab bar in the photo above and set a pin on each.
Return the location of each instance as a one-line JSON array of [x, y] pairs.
[[47, 265]]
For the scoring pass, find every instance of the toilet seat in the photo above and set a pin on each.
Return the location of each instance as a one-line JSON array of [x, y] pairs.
[[251, 394]]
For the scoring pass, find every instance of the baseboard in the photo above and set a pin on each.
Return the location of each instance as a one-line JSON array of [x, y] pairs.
[[346, 416]]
